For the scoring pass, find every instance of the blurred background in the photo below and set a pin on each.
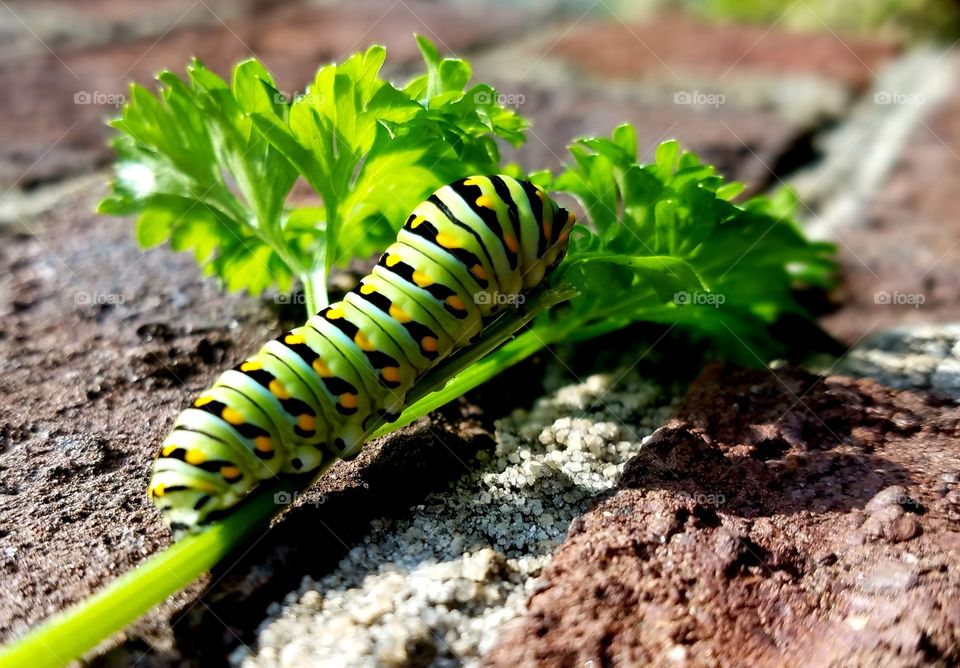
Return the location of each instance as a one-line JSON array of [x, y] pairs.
[[850, 103]]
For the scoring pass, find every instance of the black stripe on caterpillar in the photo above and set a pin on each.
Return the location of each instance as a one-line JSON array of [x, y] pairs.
[[309, 396]]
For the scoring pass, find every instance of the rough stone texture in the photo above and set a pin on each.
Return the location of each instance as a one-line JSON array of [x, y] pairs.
[[678, 48], [908, 272], [45, 133], [924, 358], [716, 89], [780, 519], [743, 144]]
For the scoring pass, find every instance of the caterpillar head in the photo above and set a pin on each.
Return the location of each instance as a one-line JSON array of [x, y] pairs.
[[562, 224]]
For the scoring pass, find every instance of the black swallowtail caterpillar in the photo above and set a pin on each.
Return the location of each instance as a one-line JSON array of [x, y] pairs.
[[309, 395]]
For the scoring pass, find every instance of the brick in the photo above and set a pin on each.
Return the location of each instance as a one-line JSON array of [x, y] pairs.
[[44, 135], [744, 144], [666, 46], [905, 243]]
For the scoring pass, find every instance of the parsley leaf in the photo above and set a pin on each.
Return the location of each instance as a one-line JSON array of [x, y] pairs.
[[683, 252], [209, 166]]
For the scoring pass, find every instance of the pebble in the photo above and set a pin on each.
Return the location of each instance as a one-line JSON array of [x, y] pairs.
[[889, 576]]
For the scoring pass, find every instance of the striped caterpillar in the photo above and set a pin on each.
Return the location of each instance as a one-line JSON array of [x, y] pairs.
[[309, 396]]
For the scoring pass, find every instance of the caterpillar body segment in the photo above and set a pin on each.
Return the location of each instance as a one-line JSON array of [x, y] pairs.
[[308, 396]]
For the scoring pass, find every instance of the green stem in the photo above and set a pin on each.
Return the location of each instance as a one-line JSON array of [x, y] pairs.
[[75, 631], [315, 290]]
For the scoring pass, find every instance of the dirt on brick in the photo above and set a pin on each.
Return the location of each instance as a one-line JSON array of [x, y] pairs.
[[779, 519]]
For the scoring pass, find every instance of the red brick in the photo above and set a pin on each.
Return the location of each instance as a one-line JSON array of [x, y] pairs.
[[292, 41], [744, 144], [665, 46], [907, 240]]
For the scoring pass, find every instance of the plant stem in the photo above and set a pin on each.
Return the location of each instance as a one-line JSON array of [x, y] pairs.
[[315, 290], [75, 631]]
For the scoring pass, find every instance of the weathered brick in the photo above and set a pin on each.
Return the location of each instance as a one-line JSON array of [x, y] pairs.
[[744, 144], [44, 134], [674, 47], [904, 247]]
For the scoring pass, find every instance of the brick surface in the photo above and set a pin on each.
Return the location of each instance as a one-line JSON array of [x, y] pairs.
[[671, 47], [744, 144], [39, 26], [900, 257], [44, 134], [781, 519]]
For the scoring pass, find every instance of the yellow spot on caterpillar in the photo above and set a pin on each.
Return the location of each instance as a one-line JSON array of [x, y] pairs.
[[472, 181], [511, 242], [230, 472], [456, 303], [539, 193], [348, 400], [278, 390], [485, 201], [392, 260], [399, 314], [422, 279], [390, 374], [306, 422], [335, 314], [158, 489], [321, 368], [263, 443], [202, 401], [232, 416], [416, 222], [195, 457], [294, 339], [429, 344], [478, 271], [363, 342], [251, 365], [168, 449], [571, 218], [367, 288], [447, 240]]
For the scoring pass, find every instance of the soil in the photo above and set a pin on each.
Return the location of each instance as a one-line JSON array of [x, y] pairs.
[[780, 518]]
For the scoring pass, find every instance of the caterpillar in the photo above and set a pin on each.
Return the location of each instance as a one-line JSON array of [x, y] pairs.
[[309, 396]]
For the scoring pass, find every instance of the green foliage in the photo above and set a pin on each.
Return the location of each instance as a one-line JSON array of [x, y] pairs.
[[209, 166], [679, 250], [896, 19]]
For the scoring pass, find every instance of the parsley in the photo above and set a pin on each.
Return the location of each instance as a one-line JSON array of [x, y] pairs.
[[208, 166]]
